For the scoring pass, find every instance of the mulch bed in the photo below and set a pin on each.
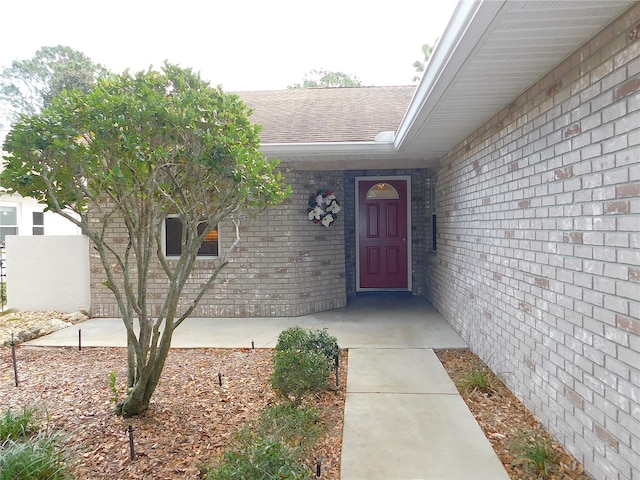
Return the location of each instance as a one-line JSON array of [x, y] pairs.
[[191, 420], [503, 418]]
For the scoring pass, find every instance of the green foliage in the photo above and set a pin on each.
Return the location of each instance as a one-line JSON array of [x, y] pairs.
[[327, 79], [28, 453], [3, 292], [297, 373], [41, 458], [30, 85], [478, 378], [292, 338], [302, 362], [128, 153], [534, 452], [157, 134], [18, 425], [316, 340], [291, 425], [264, 459], [271, 447], [115, 395], [420, 65]]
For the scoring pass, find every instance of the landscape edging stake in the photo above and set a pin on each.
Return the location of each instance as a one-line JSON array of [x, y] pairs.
[[13, 357], [131, 448]]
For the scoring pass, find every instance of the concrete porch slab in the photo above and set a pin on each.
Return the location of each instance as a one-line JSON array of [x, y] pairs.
[[366, 323]]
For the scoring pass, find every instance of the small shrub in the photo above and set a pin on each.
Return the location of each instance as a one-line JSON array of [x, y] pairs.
[[18, 425], [299, 372], [39, 458], [259, 458], [263, 460], [322, 342], [294, 338], [302, 362], [478, 378], [296, 427], [271, 447], [534, 453], [319, 341]]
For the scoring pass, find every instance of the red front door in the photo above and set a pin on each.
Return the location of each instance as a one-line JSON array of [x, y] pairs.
[[382, 234]]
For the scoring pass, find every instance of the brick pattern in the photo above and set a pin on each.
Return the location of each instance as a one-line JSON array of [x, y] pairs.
[[285, 265], [538, 261]]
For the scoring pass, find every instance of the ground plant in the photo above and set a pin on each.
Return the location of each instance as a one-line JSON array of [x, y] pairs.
[[478, 378], [535, 453], [29, 453], [113, 386], [302, 362], [39, 458], [271, 447], [18, 424]]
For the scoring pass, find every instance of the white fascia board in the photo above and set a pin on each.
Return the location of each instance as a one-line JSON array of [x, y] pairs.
[[466, 27], [327, 148]]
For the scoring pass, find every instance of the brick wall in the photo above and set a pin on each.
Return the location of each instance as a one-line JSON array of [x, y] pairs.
[[538, 260], [285, 265]]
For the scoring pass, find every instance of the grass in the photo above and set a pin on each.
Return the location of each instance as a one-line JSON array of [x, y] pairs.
[[17, 425], [26, 452], [478, 378], [40, 458], [534, 452]]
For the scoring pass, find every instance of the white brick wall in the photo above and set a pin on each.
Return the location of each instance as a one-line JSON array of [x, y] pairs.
[[538, 261]]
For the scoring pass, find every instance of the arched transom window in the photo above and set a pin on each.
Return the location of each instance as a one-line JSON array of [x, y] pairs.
[[382, 191]]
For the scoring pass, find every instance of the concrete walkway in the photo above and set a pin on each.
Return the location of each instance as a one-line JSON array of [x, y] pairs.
[[403, 417]]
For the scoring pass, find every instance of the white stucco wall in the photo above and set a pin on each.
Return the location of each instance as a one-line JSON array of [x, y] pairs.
[[48, 272]]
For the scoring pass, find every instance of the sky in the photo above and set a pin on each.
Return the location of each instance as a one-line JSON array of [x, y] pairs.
[[237, 44], [240, 45]]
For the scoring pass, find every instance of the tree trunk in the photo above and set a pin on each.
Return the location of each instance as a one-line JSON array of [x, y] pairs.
[[147, 378]]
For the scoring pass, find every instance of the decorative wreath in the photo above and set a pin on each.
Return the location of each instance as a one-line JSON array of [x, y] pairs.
[[323, 207]]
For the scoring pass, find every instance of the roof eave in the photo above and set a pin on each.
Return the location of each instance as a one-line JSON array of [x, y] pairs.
[[327, 148], [467, 24]]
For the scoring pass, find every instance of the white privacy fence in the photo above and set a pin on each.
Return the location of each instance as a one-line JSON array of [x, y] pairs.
[[48, 273]]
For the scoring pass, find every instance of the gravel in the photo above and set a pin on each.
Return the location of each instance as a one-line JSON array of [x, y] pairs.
[[21, 325]]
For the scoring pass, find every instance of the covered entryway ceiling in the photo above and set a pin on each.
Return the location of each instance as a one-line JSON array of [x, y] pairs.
[[489, 54]]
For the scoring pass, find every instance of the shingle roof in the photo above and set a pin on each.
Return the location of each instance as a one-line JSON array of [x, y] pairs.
[[327, 114]]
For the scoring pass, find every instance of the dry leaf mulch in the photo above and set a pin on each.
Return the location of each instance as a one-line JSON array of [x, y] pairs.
[[503, 418], [190, 422]]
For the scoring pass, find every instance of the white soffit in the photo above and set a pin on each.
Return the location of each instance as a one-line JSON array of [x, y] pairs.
[[495, 51]]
